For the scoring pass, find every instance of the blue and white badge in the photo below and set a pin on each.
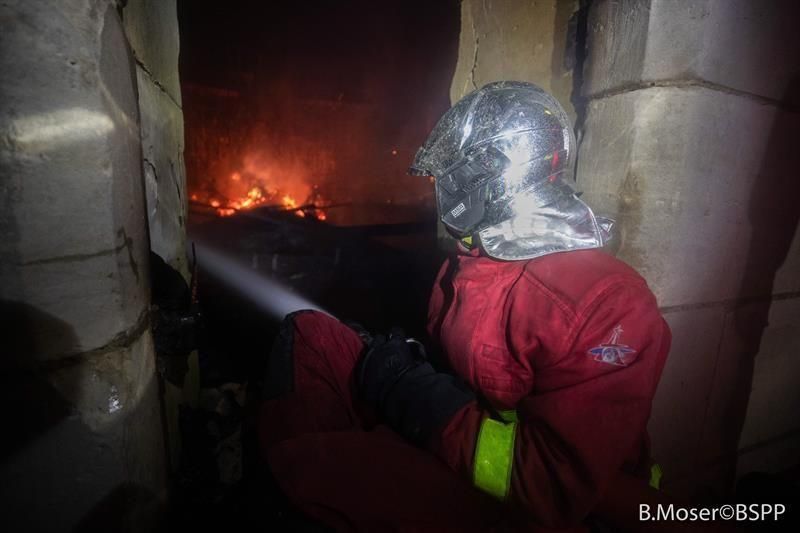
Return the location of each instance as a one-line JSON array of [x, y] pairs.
[[613, 351]]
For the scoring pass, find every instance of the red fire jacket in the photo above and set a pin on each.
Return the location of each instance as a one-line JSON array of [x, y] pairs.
[[575, 343]]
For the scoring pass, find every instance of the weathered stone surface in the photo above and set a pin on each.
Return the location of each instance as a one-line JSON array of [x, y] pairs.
[[753, 400], [616, 45], [72, 192], [510, 40], [165, 175], [774, 399], [103, 387], [84, 447], [90, 453], [744, 45], [787, 277], [152, 30], [677, 420], [702, 184], [729, 394], [73, 306], [774, 457]]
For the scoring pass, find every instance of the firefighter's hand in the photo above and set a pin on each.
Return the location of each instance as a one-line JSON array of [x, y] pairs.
[[384, 363], [405, 391]]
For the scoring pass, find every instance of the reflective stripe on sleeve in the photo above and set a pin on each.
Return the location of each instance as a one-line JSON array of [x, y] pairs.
[[494, 455], [655, 476]]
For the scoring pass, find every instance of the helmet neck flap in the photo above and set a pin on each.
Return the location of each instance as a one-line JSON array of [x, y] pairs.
[[533, 233]]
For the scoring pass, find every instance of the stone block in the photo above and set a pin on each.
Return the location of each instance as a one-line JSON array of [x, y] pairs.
[[677, 420], [774, 392], [74, 247], [702, 185], [511, 40], [69, 128], [740, 44], [87, 452], [753, 400], [75, 306], [165, 175], [787, 275], [152, 30], [773, 457], [105, 387], [728, 393]]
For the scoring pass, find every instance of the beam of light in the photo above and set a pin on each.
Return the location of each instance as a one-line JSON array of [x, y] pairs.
[[57, 128], [270, 296]]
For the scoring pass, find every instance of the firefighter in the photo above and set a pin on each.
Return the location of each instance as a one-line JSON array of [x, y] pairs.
[[555, 347]]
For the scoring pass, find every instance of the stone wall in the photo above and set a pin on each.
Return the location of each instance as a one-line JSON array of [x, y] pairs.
[[83, 444], [690, 142], [513, 40], [152, 30]]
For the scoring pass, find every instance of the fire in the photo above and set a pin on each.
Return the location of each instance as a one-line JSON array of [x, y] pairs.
[[254, 198], [257, 196], [261, 182], [288, 202]]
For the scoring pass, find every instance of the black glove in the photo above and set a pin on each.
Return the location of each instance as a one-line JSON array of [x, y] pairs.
[[385, 361], [414, 399]]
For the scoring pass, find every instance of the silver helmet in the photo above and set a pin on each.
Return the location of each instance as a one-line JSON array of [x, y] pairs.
[[502, 158]]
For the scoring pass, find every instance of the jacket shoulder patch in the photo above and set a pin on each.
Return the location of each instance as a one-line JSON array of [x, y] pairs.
[[613, 352]]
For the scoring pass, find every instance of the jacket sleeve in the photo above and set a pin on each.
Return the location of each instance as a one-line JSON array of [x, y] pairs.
[[576, 431]]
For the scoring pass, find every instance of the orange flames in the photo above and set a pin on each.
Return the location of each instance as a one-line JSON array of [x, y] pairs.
[[281, 174], [249, 189], [288, 202]]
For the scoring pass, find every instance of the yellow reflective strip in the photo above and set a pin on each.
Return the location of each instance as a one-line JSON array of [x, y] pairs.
[[494, 457], [655, 476]]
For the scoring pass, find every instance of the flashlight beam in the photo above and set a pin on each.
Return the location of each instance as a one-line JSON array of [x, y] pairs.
[[269, 295]]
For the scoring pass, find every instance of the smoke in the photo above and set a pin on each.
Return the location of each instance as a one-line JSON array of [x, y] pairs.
[[327, 106], [272, 297]]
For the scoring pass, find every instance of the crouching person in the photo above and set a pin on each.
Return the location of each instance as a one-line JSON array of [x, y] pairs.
[[556, 348]]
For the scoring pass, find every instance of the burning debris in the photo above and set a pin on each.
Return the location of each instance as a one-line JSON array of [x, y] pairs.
[[250, 189], [300, 152]]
